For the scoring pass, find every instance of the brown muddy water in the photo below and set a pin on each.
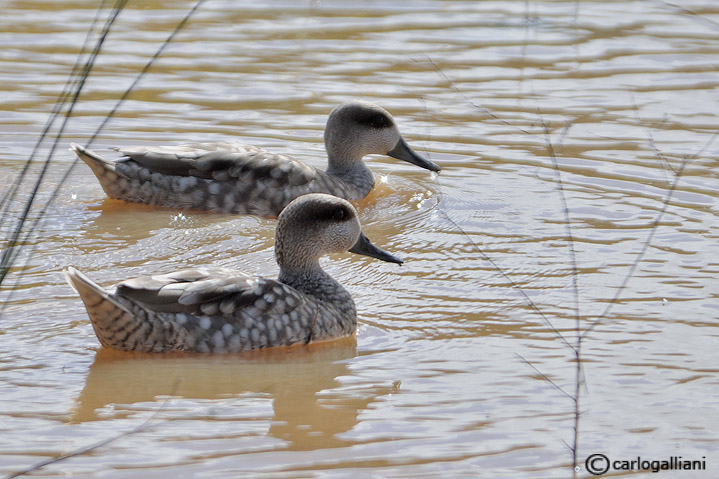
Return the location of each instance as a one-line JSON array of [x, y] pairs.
[[436, 381]]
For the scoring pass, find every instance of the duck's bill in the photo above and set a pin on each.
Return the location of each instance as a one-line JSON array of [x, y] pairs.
[[365, 247], [402, 151]]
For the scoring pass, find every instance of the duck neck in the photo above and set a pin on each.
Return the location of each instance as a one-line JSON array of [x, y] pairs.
[[354, 173], [315, 282]]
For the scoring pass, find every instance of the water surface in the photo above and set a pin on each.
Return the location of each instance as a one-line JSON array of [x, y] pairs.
[[436, 382]]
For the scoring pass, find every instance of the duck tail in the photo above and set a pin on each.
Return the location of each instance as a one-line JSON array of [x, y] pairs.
[[109, 318], [99, 165], [111, 180]]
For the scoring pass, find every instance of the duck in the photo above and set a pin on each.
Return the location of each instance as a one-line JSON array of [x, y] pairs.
[[217, 310], [243, 179]]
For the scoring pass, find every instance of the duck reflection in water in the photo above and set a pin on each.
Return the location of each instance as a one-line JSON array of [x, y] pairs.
[[309, 407]]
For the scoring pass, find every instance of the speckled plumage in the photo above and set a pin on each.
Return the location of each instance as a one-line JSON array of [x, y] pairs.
[[222, 311], [230, 178]]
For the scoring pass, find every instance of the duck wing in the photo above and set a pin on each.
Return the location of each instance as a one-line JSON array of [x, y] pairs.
[[207, 291], [221, 161]]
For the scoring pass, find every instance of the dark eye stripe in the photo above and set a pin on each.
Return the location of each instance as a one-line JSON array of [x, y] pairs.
[[332, 213], [379, 121], [340, 214], [374, 120]]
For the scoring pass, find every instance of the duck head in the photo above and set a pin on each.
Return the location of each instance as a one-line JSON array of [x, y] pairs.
[[360, 128]]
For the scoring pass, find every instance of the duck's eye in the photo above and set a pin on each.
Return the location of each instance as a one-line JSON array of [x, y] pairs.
[[340, 214], [333, 214], [378, 121]]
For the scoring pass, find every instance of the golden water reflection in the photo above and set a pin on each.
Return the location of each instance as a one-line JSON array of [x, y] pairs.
[[294, 379]]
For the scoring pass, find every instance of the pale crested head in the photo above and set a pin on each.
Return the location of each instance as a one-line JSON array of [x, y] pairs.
[[312, 226], [356, 129], [359, 128], [317, 224]]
